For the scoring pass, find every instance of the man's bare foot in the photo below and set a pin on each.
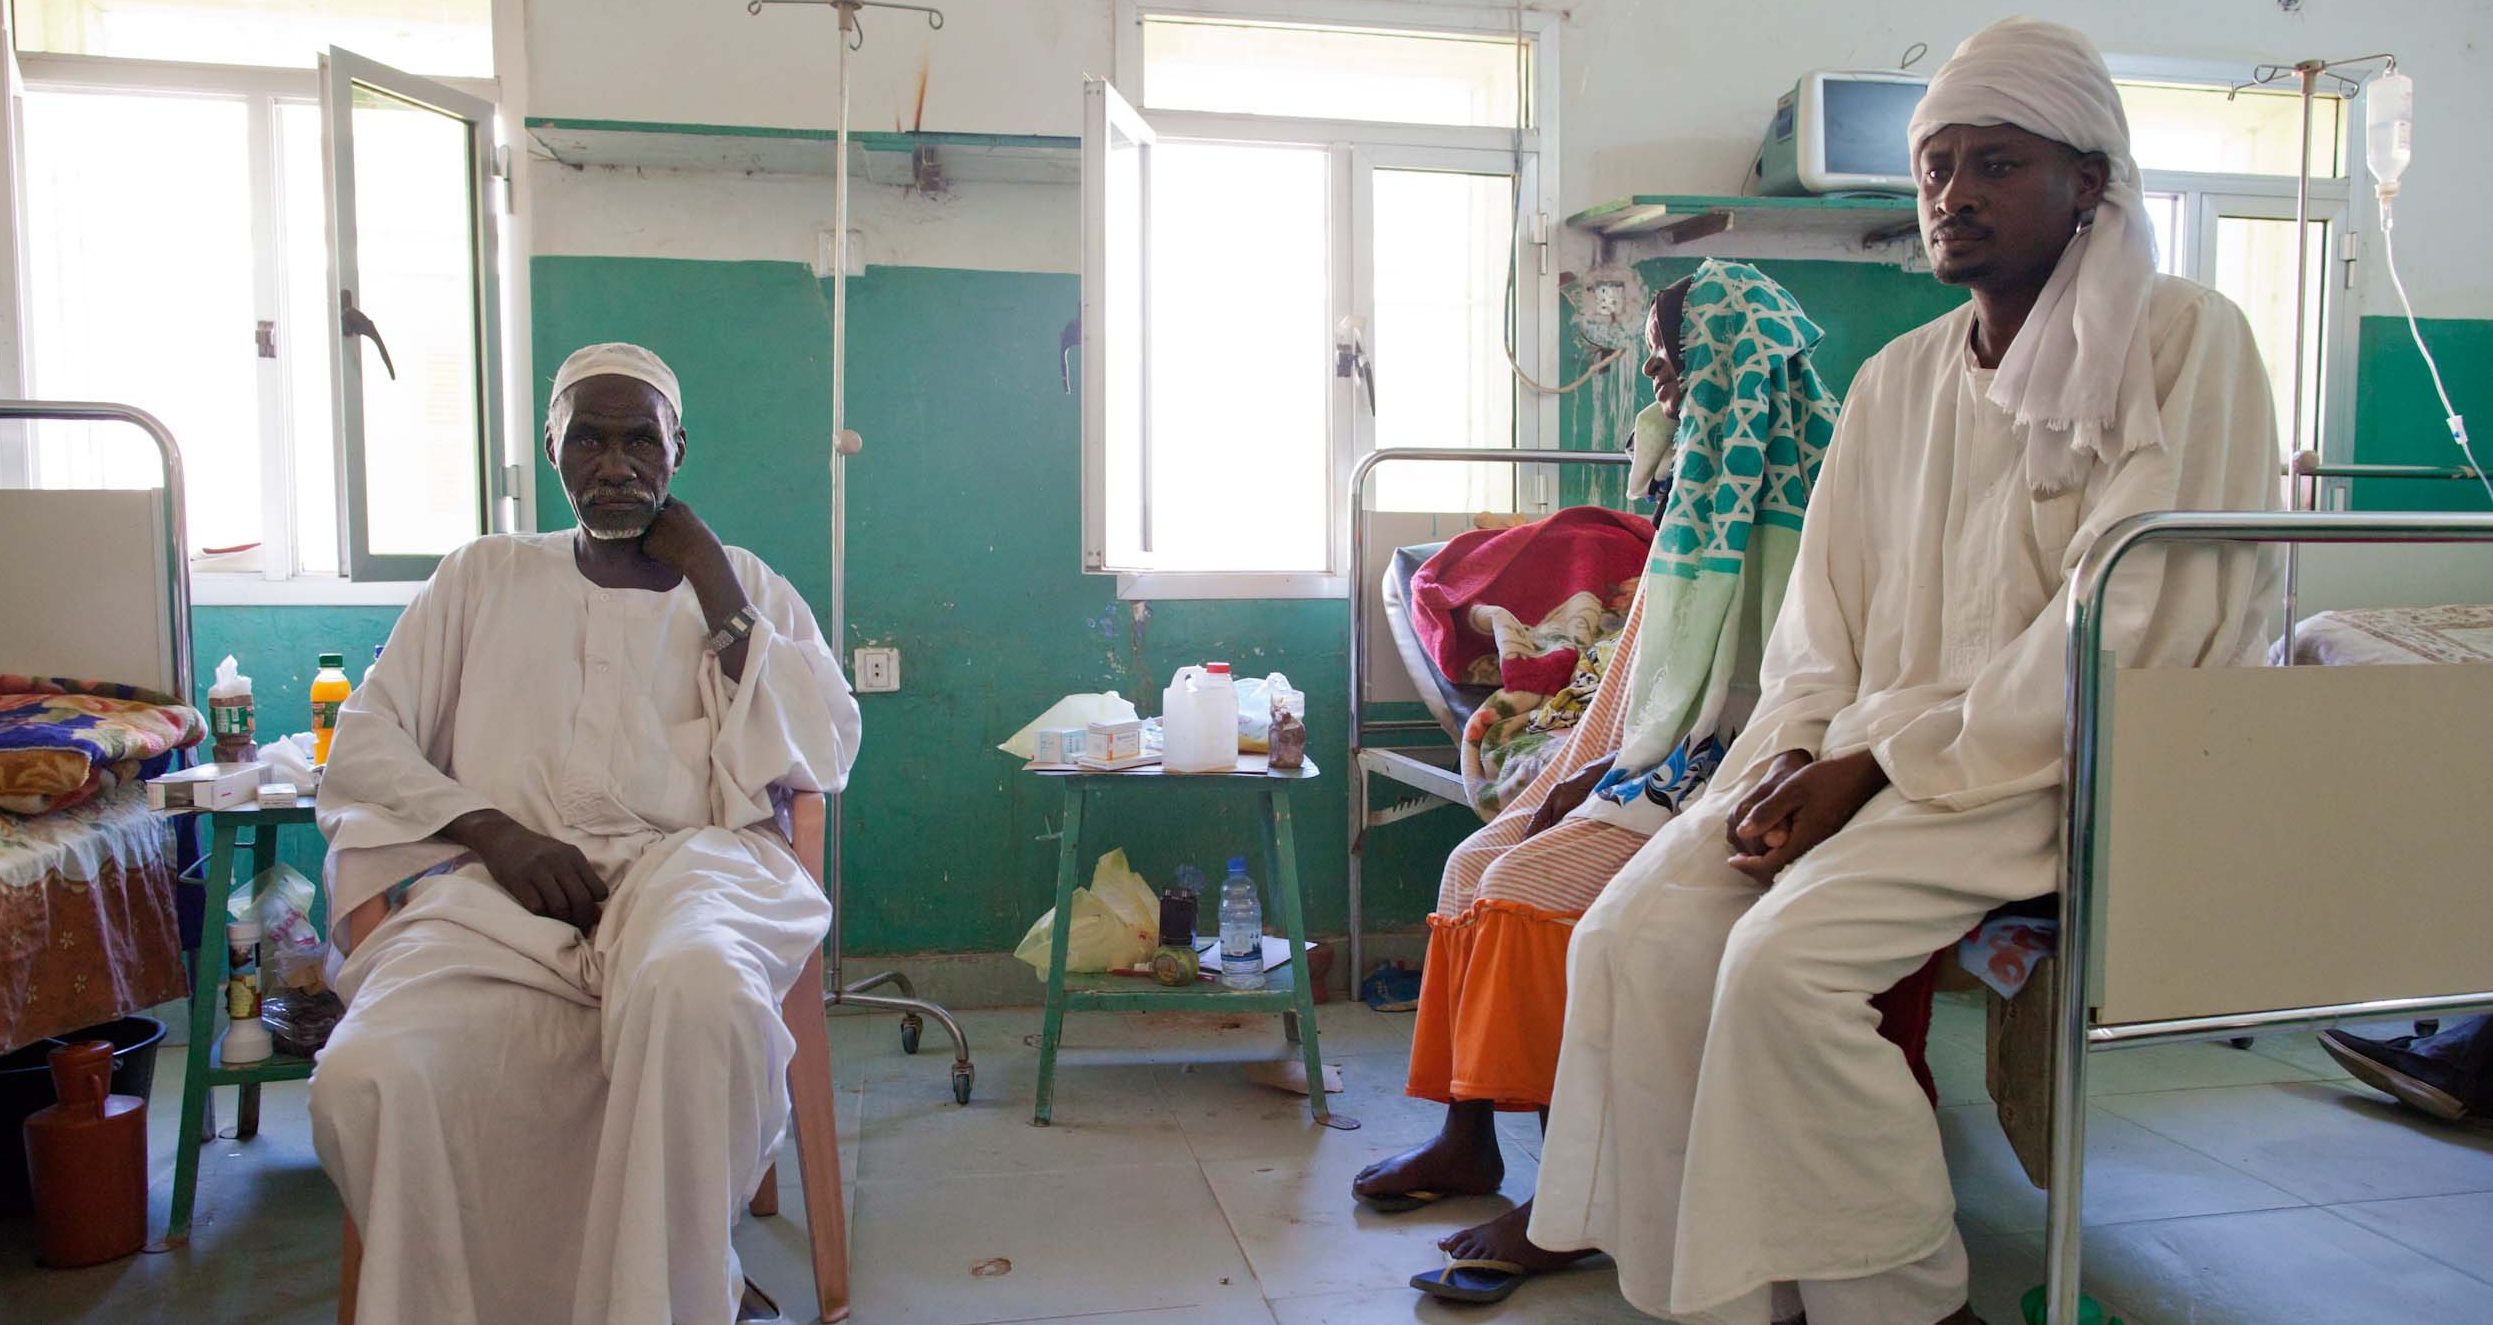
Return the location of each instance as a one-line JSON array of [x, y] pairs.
[[1503, 1239], [1461, 1160]]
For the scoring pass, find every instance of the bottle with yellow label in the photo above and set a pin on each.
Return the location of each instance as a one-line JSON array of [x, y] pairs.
[[329, 690]]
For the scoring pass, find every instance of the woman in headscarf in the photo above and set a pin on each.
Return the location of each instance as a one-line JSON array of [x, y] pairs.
[[1729, 448]]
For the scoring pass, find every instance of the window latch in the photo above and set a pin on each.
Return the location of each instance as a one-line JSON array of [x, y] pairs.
[[266, 339], [1350, 357], [352, 322]]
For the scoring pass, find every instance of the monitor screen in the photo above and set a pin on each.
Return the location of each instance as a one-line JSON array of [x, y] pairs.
[[1864, 126]]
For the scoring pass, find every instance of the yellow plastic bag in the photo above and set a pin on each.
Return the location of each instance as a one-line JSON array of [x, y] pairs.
[[1116, 923]]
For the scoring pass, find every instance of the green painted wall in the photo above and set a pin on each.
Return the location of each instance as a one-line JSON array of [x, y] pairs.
[[2398, 419]]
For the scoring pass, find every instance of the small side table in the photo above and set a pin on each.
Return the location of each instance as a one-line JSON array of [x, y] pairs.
[[1286, 989], [229, 831]]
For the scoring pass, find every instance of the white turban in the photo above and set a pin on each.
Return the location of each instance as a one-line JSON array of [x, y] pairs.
[[2079, 374], [617, 359]]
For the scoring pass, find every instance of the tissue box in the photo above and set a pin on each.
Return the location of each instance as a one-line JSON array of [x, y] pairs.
[[207, 787], [1060, 745]]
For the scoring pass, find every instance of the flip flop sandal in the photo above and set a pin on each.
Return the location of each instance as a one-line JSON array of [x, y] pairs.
[[1395, 1203], [1475, 1281]]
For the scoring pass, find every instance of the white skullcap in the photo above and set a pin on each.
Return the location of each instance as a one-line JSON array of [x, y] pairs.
[[617, 359], [2079, 367]]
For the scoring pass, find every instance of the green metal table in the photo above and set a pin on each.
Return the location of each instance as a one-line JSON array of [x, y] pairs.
[[1285, 990], [230, 832]]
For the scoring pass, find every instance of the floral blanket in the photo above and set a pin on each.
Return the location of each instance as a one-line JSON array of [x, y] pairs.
[[63, 742], [1516, 732]]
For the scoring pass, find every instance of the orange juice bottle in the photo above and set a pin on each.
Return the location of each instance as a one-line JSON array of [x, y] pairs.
[[329, 690]]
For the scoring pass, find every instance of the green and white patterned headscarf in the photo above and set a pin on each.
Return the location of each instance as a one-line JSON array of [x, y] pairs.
[[1754, 424]]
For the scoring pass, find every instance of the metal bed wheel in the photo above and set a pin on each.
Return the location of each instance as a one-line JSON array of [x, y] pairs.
[[912, 1028], [963, 1075]]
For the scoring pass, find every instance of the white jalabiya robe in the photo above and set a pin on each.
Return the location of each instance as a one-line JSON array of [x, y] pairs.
[[529, 1124], [1726, 1116]]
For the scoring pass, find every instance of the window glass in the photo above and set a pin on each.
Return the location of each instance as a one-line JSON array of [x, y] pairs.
[[1441, 246], [1330, 73], [2257, 131], [1239, 349], [303, 331], [444, 38], [138, 290], [2255, 269]]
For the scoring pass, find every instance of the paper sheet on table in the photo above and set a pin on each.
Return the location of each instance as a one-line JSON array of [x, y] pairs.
[[1071, 711], [1276, 952]]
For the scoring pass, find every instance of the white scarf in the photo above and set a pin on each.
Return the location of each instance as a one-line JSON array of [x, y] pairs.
[[2078, 376]]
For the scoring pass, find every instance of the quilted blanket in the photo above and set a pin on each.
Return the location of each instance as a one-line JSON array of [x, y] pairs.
[[63, 741], [1516, 732]]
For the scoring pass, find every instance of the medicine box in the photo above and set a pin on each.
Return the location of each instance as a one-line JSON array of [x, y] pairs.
[[206, 787], [1061, 745], [1112, 743]]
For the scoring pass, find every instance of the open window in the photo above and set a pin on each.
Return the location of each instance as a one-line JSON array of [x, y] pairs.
[[1116, 265], [416, 316]]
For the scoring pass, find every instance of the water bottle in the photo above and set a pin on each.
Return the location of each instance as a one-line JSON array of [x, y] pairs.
[[1242, 930]]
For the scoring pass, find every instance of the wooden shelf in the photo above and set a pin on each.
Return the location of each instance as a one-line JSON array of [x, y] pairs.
[[1682, 218], [899, 159]]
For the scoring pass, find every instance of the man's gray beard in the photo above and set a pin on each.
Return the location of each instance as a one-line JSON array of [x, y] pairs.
[[617, 534], [610, 532]]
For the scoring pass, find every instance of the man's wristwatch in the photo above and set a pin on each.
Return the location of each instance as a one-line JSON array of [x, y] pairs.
[[737, 629]]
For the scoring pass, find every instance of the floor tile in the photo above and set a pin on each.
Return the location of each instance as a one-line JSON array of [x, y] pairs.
[[1958, 1072], [2159, 1067], [1105, 1114], [959, 1251], [2300, 1049], [1585, 1295], [2454, 1230], [1305, 1235], [2275, 1267], [2326, 1142], [1225, 1116], [2131, 1174], [1957, 1018]]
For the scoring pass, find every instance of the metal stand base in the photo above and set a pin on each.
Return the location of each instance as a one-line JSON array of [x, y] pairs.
[[914, 1011]]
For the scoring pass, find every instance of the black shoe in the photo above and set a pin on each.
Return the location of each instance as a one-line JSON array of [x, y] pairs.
[[2389, 1067]]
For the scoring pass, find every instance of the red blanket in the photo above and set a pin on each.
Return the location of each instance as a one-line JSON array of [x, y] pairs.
[[1527, 571]]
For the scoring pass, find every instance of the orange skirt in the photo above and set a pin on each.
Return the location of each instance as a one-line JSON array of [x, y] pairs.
[[1493, 998]]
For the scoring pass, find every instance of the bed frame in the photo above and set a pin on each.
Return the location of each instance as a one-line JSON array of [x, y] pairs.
[[2164, 837], [1437, 783], [60, 636]]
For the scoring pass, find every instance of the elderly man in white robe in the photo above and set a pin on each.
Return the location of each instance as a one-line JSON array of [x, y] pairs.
[[1727, 1123], [562, 1067]]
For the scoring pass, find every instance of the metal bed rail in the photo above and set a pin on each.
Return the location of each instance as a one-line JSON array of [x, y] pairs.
[[2077, 1033], [176, 517], [1360, 588]]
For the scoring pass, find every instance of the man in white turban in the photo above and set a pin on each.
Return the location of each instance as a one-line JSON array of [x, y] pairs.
[[562, 1067], [1727, 1123]]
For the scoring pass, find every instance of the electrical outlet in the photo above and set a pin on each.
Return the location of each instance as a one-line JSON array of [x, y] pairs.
[[1609, 300], [878, 671]]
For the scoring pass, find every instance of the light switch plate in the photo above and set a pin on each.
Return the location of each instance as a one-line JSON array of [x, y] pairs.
[[877, 671]]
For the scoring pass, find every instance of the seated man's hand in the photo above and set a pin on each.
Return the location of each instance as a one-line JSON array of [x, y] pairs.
[[1800, 803], [1567, 795], [683, 541], [549, 877]]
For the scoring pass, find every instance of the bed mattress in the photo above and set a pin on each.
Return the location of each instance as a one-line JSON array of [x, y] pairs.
[[87, 927], [2458, 633]]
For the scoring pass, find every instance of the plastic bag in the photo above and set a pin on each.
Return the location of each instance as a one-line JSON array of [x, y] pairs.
[[296, 1002], [1116, 923], [1071, 711], [1255, 711]]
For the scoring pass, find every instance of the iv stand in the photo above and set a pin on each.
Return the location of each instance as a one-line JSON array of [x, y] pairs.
[[845, 443], [2303, 490]]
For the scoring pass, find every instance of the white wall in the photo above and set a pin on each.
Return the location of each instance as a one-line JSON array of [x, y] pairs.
[[1657, 96]]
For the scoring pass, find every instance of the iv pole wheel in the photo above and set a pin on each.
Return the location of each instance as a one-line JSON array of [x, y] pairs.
[[912, 1026], [963, 1075]]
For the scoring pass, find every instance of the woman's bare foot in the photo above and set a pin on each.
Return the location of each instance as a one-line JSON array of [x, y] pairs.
[[1503, 1239], [1461, 1160]]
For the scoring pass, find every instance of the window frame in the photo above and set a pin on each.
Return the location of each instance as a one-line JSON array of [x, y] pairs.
[[1357, 149], [262, 89], [2207, 196]]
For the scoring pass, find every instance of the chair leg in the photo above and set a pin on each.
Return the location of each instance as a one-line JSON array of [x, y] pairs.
[[765, 1202], [814, 1105], [350, 1270]]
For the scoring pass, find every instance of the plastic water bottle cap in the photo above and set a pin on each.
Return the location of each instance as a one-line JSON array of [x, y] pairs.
[[1237, 864]]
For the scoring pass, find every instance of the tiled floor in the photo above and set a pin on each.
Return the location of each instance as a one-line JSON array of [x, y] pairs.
[[2224, 1188]]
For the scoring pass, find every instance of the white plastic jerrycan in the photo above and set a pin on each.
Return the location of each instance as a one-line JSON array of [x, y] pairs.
[[1199, 721]]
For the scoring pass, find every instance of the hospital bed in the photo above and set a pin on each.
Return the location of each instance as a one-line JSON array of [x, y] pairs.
[[1430, 772], [86, 891], [2202, 896]]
